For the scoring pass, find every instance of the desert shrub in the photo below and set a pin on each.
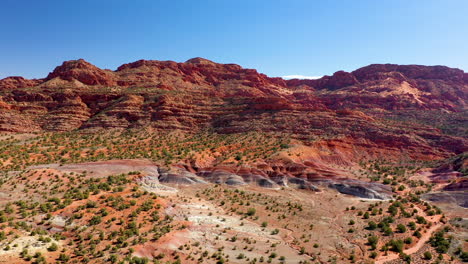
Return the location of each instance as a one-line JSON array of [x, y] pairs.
[[427, 255]]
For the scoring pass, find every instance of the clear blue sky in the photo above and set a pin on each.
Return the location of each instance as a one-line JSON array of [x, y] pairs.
[[278, 38]]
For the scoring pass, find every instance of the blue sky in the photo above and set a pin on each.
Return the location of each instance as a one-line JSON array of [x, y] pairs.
[[294, 37]]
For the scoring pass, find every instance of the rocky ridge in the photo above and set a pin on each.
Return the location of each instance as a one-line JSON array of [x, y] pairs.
[[230, 99]]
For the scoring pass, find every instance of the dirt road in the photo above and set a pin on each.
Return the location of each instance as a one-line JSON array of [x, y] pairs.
[[424, 238]]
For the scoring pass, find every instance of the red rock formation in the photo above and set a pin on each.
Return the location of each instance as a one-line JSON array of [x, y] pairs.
[[84, 72], [393, 87], [17, 82], [349, 109], [341, 79]]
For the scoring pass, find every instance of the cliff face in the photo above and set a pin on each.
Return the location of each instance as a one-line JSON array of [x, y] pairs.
[[345, 109]]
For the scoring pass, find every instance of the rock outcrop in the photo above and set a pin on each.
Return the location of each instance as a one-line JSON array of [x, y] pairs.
[[17, 82], [393, 87], [461, 185], [179, 176], [83, 72], [362, 189]]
